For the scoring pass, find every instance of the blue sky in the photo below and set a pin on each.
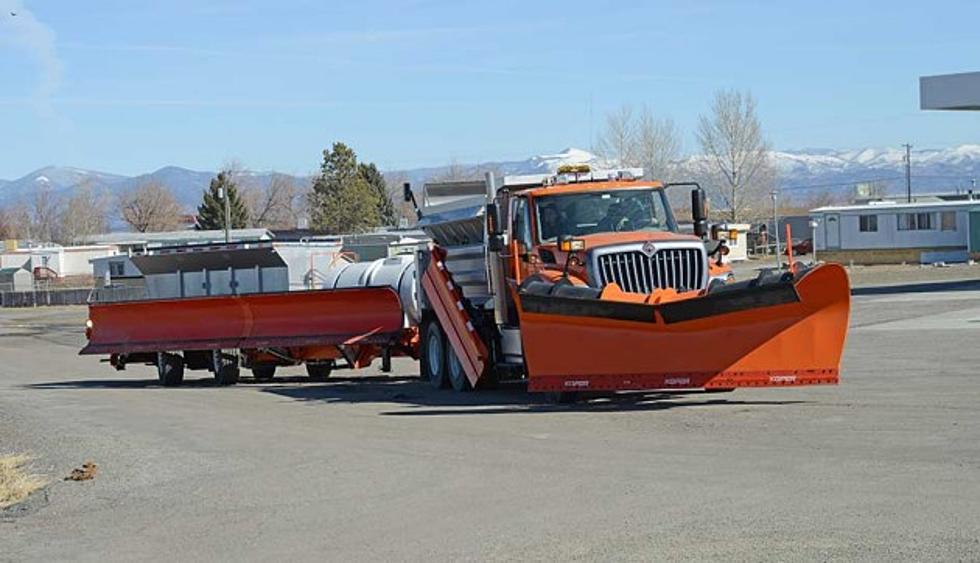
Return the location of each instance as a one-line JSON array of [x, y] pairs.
[[127, 86]]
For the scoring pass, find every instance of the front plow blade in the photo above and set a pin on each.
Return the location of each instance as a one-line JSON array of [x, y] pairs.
[[774, 334], [259, 320]]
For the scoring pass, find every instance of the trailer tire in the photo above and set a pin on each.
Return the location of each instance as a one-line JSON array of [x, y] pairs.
[[170, 369], [432, 359], [455, 372], [264, 372], [319, 371], [225, 368]]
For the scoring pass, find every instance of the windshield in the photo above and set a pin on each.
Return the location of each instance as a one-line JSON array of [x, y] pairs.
[[601, 212]]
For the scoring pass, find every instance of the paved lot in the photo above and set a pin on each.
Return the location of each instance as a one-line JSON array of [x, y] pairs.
[[884, 466]]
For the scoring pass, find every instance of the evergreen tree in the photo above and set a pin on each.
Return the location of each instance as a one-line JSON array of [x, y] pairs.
[[211, 212], [374, 178], [342, 201]]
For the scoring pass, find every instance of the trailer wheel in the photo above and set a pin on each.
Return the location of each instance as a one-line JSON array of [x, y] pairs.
[[455, 371], [170, 369], [319, 371], [264, 372], [432, 360], [225, 368]]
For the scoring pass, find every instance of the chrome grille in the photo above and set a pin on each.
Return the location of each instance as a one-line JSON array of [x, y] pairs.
[[635, 272]]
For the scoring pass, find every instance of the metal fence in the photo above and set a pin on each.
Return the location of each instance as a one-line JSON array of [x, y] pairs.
[[44, 297]]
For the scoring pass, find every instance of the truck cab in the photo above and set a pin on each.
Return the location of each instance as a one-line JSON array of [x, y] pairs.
[[615, 230]]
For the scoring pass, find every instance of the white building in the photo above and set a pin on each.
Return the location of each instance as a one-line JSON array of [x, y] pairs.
[[56, 261], [736, 237], [891, 232]]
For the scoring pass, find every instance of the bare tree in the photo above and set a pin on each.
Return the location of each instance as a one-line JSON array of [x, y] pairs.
[[454, 172], [641, 139], [395, 181], [85, 214], [150, 207], [275, 205], [8, 225], [42, 215], [617, 142], [736, 154], [657, 145]]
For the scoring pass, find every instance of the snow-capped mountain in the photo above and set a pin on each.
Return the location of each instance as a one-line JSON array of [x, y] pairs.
[[801, 172], [186, 184]]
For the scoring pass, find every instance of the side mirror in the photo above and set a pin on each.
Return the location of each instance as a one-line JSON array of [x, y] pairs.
[[699, 212], [493, 219], [407, 194]]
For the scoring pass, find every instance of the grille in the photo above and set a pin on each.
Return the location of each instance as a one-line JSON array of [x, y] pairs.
[[635, 272]]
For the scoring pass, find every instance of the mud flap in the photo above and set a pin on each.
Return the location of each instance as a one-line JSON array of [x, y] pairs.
[[774, 334]]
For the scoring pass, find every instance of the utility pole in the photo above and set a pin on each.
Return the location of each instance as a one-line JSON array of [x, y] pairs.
[[775, 228], [813, 238], [908, 171]]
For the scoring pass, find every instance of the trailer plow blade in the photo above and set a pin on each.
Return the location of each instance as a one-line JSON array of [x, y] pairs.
[[781, 332], [261, 320]]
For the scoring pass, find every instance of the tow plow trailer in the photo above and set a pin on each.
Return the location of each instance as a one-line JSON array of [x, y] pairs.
[[521, 281]]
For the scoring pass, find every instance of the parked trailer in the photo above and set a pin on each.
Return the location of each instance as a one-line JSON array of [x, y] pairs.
[[572, 282]]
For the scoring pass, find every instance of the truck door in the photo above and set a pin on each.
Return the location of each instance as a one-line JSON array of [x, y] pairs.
[[520, 239]]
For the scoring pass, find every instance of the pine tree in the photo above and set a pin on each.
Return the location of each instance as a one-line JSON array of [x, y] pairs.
[[374, 178], [342, 201], [211, 212]]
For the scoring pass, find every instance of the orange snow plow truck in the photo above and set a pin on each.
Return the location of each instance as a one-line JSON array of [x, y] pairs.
[[575, 281]]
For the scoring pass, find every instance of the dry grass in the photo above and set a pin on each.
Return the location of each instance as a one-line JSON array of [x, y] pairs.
[[15, 481]]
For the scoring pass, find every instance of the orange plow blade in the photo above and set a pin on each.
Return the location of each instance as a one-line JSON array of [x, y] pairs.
[[785, 331], [262, 320]]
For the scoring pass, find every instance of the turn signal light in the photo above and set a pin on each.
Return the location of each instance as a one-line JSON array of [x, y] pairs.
[[571, 245]]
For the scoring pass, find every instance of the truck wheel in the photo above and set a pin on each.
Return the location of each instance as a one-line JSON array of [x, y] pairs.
[[319, 371], [433, 357], [225, 368], [170, 369], [455, 371], [264, 372]]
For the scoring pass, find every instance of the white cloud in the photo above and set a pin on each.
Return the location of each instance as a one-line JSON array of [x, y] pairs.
[[21, 31]]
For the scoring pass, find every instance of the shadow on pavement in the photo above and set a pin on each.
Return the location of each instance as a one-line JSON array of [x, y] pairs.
[[193, 382], [961, 285], [417, 398], [422, 400]]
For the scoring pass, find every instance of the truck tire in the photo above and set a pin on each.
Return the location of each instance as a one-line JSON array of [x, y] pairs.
[[170, 369], [455, 372], [225, 368], [319, 371], [432, 359], [264, 372]]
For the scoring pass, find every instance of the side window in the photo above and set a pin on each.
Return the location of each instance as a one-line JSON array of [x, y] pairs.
[[522, 223], [116, 269], [947, 220], [868, 223]]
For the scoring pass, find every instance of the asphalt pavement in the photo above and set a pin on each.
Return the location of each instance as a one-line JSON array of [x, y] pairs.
[[371, 467]]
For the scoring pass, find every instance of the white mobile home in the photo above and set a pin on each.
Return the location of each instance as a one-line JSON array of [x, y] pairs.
[[890, 232]]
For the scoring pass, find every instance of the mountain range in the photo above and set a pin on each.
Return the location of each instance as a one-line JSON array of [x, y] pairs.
[[802, 172]]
